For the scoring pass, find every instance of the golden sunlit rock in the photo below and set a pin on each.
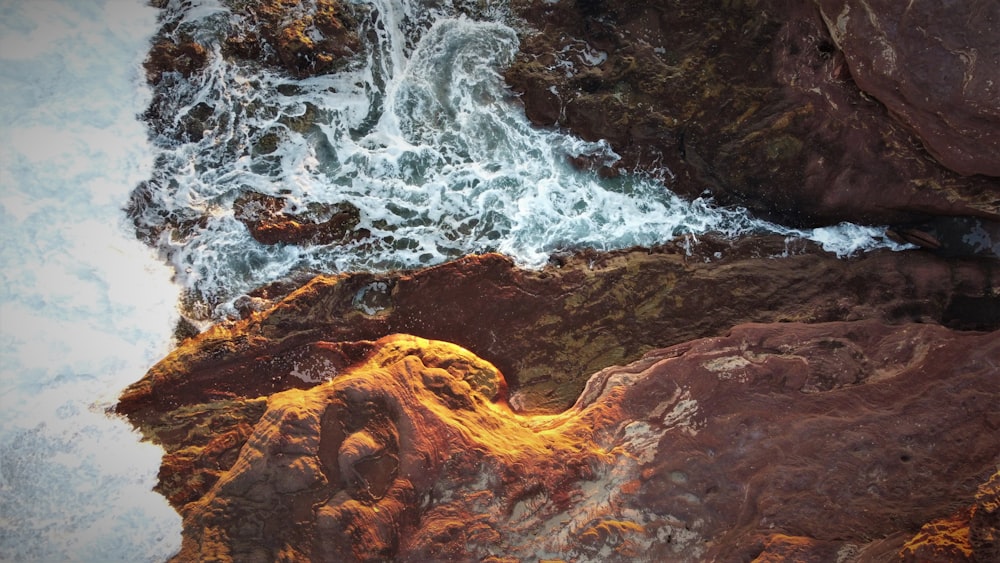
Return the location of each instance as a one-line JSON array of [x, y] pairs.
[[830, 434]]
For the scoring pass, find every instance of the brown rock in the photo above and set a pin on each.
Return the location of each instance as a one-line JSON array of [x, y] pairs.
[[934, 66], [751, 100], [944, 540], [971, 534], [799, 439], [548, 330], [984, 525], [269, 223], [166, 56], [304, 37]]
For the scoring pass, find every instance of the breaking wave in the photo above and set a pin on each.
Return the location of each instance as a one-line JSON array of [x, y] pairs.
[[420, 134]]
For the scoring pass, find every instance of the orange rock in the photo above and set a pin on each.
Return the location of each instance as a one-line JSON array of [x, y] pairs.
[[945, 540], [413, 454], [548, 330], [166, 56], [304, 38]]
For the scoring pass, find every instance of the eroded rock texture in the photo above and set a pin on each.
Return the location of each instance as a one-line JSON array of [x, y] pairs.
[[304, 37], [269, 222], [758, 103], [548, 330], [815, 440], [758, 400], [936, 68], [301, 37], [552, 329]]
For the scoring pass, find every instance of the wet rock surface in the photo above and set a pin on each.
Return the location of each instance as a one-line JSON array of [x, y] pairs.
[[757, 103], [269, 223], [300, 37], [757, 400], [549, 330], [303, 37], [812, 440], [933, 67]]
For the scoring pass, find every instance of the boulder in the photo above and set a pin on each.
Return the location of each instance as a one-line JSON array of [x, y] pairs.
[[813, 441], [269, 223]]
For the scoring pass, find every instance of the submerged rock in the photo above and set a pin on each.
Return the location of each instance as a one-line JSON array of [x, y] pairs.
[[953, 236], [787, 438]]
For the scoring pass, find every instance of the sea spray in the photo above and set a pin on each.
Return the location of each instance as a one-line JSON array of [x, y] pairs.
[[85, 309], [418, 132]]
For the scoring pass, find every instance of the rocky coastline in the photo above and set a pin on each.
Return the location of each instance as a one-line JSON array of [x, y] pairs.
[[757, 399]]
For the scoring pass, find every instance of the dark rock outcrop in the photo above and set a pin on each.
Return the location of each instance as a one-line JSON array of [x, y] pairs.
[[952, 236], [758, 400], [753, 101], [166, 56], [304, 37], [550, 329], [301, 37], [269, 223], [934, 66]]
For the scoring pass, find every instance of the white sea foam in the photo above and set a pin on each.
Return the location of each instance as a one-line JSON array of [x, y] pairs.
[[420, 133], [84, 308]]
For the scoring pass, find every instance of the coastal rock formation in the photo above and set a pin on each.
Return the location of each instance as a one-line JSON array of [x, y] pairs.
[[818, 440], [752, 400], [971, 534], [166, 56], [548, 330], [935, 69], [269, 223], [303, 37], [758, 103]]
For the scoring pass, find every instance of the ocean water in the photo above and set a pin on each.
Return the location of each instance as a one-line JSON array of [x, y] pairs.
[[85, 308], [419, 132]]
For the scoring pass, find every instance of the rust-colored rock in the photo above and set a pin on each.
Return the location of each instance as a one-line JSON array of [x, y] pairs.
[[984, 525], [753, 101], [166, 56], [945, 540], [304, 37], [971, 534], [548, 330], [934, 66], [269, 223], [808, 440]]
